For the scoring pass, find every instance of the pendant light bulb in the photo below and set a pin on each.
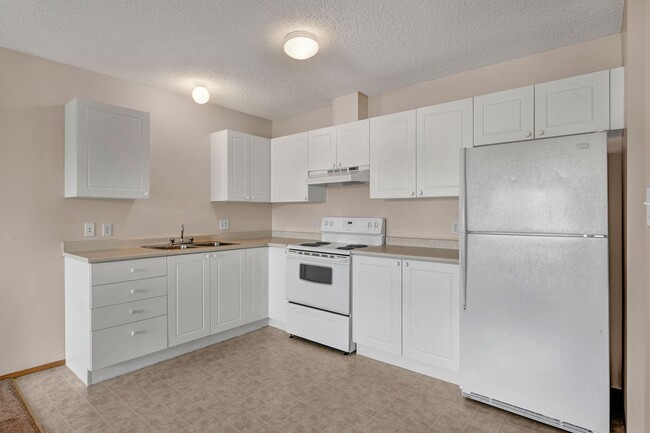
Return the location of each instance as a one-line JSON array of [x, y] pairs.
[[300, 45], [200, 94]]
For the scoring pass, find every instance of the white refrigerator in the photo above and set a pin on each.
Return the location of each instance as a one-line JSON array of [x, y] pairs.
[[534, 329]]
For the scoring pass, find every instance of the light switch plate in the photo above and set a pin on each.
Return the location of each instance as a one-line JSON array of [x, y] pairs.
[[455, 227], [89, 229], [107, 229], [647, 206], [315, 224], [224, 224]]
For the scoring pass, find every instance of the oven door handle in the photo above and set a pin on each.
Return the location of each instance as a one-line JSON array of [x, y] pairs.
[[307, 258]]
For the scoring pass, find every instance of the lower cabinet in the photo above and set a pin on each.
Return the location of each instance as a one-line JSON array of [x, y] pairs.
[[408, 310], [214, 292], [188, 297], [277, 287]]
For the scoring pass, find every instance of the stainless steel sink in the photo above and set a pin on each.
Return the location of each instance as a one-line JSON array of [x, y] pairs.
[[213, 244], [170, 246]]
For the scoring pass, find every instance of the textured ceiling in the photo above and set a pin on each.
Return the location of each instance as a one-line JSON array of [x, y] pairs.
[[236, 45]]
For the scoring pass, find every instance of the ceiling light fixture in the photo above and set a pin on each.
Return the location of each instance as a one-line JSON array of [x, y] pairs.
[[300, 45], [200, 94]]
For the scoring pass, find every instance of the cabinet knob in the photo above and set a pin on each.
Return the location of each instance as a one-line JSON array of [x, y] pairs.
[[397, 263], [132, 312], [305, 198], [419, 192], [132, 270], [252, 198], [133, 291], [333, 165], [248, 198], [207, 256], [412, 193], [146, 194], [540, 132], [134, 333], [528, 134], [406, 264], [339, 164]]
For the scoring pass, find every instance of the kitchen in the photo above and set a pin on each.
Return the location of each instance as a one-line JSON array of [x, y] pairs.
[[35, 90]]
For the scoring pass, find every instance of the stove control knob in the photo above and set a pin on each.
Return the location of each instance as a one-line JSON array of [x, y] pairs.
[[369, 224], [376, 224]]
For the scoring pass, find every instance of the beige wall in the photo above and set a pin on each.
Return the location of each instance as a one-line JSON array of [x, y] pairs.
[[35, 218], [636, 43], [432, 218]]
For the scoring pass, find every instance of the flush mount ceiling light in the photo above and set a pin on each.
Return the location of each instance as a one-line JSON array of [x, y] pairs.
[[200, 94], [300, 45]]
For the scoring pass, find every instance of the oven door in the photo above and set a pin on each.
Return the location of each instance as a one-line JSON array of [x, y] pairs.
[[319, 281]]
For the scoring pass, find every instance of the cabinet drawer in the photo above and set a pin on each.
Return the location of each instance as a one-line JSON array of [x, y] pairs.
[[127, 270], [127, 291], [121, 343], [114, 315]]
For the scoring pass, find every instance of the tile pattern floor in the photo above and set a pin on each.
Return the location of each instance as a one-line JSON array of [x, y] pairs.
[[264, 382]]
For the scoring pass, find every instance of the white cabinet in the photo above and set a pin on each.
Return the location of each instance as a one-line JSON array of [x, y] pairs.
[[257, 284], [339, 146], [227, 290], [377, 303], [406, 312], [392, 155], [442, 130], [504, 116], [569, 106], [430, 313], [572, 106], [106, 151], [416, 153], [114, 312], [188, 286], [240, 167], [277, 287], [289, 167]]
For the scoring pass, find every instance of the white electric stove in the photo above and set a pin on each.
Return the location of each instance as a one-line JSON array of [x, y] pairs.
[[318, 280]]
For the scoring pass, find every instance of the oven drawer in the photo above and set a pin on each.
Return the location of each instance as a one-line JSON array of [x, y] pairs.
[[330, 329]]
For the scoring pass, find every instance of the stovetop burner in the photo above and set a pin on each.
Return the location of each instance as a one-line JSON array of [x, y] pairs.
[[352, 247], [314, 244]]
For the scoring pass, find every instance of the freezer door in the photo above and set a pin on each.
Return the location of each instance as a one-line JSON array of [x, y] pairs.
[[557, 185], [535, 332]]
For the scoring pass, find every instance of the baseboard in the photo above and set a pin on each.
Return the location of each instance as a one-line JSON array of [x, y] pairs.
[[33, 369], [278, 324]]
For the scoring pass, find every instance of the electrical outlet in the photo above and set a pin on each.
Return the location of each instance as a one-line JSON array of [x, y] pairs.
[[455, 227], [224, 224], [89, 229], [315, 224], [107, 229]]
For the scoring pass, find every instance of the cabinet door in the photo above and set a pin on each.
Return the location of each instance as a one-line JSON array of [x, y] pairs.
[[430, 313], [353, 143], [238, 166], [392, 155], [257, 284], [227, 290], [277, 285], [106, 151], [377, 303], [260, 169], [289, 168], [572, 105], [442, 130], [188, 299], [322, 149], [504, 116]]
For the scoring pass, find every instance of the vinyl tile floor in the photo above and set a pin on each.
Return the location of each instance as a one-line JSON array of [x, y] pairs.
[[265, 382]]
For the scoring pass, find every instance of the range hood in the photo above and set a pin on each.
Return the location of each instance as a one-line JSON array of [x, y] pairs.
[[339, 176]]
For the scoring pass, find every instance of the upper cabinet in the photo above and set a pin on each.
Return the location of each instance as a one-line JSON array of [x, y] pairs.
[[240, 167], [289, 161], [504, 116], [392, 155], [106, 151], [342, 146], [416, 153], [569, 106], [572, 106]]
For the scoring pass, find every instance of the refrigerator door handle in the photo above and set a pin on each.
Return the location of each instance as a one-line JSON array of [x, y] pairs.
[[462, 212], [462, 245]]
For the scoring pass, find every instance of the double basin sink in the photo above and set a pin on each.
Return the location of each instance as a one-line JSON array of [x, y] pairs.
[[187, 245]]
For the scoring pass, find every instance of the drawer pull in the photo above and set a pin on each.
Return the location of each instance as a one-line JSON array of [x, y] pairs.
[[132, 270], [133, 291], [134, 333], [134, 312]]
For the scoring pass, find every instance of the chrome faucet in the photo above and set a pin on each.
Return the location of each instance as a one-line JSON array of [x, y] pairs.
[[182, 231]]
